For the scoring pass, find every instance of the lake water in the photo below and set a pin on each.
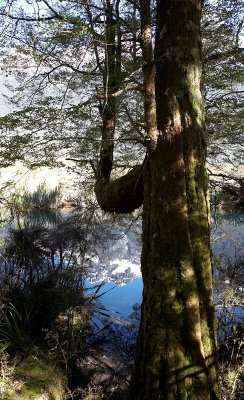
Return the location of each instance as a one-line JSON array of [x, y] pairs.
[[116, 261], [122, 293], [119, 299]]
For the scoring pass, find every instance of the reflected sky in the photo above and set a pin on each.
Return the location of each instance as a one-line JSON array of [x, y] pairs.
[[119, 298], [227, 234]]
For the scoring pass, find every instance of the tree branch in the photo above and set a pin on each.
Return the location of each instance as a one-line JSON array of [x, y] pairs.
[[223, 54], [122, 195], [32, 19], [225, 176], [120, 91]]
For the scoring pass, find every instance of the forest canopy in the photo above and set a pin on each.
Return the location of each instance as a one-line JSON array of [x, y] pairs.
[[53, 62]]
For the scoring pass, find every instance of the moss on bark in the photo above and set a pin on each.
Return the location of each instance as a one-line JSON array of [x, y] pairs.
[[122, 195], [176, 350]]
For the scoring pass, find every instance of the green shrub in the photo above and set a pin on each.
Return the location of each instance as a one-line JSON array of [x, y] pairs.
[[13, 336]]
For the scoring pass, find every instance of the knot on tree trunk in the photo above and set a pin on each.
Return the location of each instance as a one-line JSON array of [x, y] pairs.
[[122, 195]]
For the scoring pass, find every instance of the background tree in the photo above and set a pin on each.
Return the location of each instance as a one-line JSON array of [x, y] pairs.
[[223, 65]]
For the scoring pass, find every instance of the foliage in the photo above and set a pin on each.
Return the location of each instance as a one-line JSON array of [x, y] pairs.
[[7, 368], [42, 197], [227, 196], [13, 335], [29, 209], [41, 277], [223, 55], [92, 392], [53, 94], [66, 339], [231, 367]]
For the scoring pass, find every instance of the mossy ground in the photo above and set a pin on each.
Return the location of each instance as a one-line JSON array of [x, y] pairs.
[[33, 380]]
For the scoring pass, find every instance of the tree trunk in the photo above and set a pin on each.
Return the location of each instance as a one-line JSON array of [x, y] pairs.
[[176, 349], [125, 194], [108, 109]]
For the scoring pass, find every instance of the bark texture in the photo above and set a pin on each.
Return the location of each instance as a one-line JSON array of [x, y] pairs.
[[122, 195], [176, 350], [108, 108], [125, 194], [148, 70]]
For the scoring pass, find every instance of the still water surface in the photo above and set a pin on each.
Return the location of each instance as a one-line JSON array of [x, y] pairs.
[[227, 235], [117, 264]]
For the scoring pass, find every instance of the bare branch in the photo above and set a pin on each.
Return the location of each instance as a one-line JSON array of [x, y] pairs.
[[52, 9], [120, 91], [225, 176], [32, 19]]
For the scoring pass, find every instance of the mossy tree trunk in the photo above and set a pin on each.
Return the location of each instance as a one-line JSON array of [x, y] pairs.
[[125, 194], [108, 107], [176, 350]]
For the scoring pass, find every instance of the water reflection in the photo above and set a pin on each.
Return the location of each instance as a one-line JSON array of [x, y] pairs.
[[117, 261], [120, 298], [40, 217], [232, 218]]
